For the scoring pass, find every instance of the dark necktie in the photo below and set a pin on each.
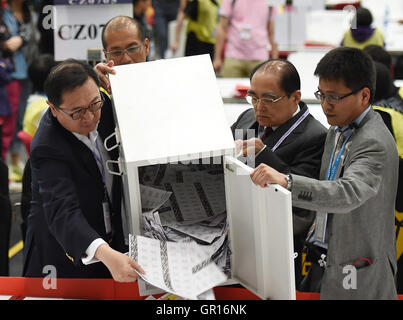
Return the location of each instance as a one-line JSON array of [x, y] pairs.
[[266, 133]]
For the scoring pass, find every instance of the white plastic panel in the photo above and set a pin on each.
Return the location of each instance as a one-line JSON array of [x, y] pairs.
[[170, 110], [261, 234]]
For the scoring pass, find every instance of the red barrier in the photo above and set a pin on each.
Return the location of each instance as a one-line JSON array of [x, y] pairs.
[[20, 287]]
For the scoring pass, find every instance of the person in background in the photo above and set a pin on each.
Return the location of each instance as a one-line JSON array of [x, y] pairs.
[[18, 18], [38, 71], [46, 40], [165, 11], [124, 42], [379, 54], [354, 199], [140, 8], [74, 221], [389, 104], [246, 31], [363, 35], [202, 21], [6, 68], [5, 220]]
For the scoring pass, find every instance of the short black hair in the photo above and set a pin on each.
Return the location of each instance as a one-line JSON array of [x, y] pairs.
[[378, 53], [39, 70], [122, 22], [65, 77], [290, 80], [385, 87], [355, 67], [364, 17]]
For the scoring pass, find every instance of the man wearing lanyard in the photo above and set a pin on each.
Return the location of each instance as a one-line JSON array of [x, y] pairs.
[[280, 132], [73, 221], [354, 200]]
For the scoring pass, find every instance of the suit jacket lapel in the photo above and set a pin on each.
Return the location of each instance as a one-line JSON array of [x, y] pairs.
[[272, 139]]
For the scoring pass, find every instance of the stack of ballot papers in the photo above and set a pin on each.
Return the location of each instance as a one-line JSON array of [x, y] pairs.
[[181, 268], [187, 202]]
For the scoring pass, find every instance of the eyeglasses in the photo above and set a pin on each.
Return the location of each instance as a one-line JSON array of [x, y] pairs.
[[265, 101], [333, 99], [80, 113], [117, 54]]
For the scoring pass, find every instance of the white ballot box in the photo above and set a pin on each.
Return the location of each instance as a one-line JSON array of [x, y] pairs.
[[170, 118]]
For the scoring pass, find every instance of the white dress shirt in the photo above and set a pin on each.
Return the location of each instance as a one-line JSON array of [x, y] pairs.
[[96, 146]]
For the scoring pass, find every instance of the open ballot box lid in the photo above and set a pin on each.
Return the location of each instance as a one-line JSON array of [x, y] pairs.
[[171, 110]]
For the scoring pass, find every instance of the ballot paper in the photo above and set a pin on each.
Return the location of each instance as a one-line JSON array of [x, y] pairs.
[[195, 208], [152, 198], [193, 202], [180, 268], [198, 231]]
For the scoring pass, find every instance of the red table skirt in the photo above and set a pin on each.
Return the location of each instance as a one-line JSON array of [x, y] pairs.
[[108, 289]]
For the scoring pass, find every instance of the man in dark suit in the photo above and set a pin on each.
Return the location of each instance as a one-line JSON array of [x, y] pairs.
[[74, 220], [280, 132]]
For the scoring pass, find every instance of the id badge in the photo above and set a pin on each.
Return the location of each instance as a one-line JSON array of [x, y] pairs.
[[107, 217], [246, 32], [320, 226]]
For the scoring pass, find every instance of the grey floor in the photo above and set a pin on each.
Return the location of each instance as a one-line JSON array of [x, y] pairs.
[[16, 262]]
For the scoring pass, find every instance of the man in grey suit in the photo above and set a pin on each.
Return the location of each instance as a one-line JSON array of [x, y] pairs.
[[355, 196]]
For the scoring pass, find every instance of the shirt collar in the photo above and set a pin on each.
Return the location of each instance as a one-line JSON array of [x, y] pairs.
[[356, 122], [262, 128], [93, 135]]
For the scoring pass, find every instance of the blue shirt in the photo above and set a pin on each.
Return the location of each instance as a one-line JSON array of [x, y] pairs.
[[21, 69]]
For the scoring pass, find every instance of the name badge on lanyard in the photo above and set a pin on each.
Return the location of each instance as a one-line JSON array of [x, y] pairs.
[[246, 32], [105, 202], [321, 217], [107, 214]]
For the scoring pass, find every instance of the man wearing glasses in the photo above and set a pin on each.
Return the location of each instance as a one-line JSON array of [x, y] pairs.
[[74, 220], [280, 132], [354, 229], [124, 42]]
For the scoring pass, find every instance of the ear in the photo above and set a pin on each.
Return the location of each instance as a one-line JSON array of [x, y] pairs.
[[104, 51], [366, 96], [52, 108], [296, 96], [146, 46]]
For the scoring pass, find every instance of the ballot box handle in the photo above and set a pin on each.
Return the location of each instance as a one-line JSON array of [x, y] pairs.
[[116, 135], [111, 171]]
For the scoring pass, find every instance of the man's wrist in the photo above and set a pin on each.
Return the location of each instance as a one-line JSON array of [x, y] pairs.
[[288, 179]]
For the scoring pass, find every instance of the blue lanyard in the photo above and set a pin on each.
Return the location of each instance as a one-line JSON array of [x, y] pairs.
[[331, 171]]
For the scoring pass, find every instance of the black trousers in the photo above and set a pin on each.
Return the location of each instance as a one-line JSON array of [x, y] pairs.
[[5, 219], [194, 46]]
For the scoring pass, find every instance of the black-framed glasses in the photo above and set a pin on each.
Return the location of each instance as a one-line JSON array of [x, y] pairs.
[[254, 100], [117, 54], [333, 99], [80, 113]]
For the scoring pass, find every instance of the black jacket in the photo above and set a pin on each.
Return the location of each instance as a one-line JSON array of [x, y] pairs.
[[66, 210], [299, 153]]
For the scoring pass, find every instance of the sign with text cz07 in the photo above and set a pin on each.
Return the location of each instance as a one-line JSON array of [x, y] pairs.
[[78, 28]]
